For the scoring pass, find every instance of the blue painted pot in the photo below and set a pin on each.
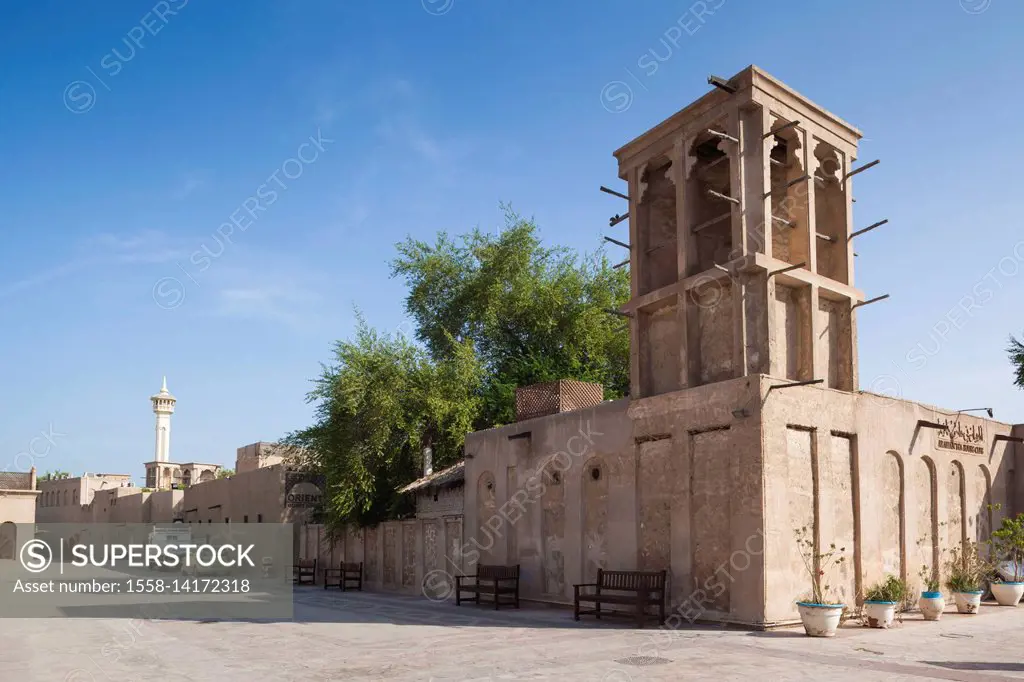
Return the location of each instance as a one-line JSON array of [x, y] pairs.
[[932, 604], [968, 601], [1007, 593], [820, 620]]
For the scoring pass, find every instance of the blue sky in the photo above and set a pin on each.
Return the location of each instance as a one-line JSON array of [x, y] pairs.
[[131, 132]]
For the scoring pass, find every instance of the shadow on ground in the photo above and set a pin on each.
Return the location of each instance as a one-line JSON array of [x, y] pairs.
[[316, 605], [977, 665]]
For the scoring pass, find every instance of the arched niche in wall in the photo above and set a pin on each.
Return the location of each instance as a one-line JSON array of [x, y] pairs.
[[371, 541], [8, 540], [926, 494], [1010, 491], [552, 523], [982, 501], [956, 533], [892, 540], [486, 504], [595, 517]]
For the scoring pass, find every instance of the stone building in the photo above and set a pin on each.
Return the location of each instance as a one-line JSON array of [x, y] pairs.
[[744, 420], [18, 495], [259, 455], [271, 493], [61, 499], [265, 487], [438, 493]]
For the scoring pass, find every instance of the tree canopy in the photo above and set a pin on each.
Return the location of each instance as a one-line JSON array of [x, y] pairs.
[[1016, 351], [532, 313], [491, 312], [379, 404]]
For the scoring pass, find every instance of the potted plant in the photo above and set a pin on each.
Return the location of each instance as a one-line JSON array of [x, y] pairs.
[[966, 577], [931, 603], [881, 600], [819, 614], [1008, 555]]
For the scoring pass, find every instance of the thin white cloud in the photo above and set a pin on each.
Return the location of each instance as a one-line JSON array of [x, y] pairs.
[[190, 183], [409, 137], [101, 250], [288, 304], [42, 277], [269, 289]]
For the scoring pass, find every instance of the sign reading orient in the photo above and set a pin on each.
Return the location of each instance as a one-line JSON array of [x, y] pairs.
[[303, 489]]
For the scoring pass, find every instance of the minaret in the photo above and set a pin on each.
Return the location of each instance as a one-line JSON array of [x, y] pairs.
[[163, 407]]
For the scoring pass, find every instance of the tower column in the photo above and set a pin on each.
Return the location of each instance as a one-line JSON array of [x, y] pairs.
[[163, 408]]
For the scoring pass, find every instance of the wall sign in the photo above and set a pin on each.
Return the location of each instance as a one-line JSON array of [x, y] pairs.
[[960, 437], [303, 489]]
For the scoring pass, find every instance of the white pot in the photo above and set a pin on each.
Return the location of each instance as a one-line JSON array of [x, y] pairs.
[[931, 606], [968, 602], [820, 620], [879, 614], [1007, 594]]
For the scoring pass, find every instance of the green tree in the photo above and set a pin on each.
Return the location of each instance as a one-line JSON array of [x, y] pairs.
[[225, 473], [533, 313], [381, 402], [54, 475], [1016, 351]]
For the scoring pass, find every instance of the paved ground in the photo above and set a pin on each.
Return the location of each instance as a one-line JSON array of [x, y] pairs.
[[365, 636]]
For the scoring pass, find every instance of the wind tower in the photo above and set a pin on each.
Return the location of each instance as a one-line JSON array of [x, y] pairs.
[[741, 241]]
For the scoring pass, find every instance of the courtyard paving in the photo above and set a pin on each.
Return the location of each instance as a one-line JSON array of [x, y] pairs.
[[367, 636]]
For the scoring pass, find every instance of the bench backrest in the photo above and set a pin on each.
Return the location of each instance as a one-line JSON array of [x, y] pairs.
[[490, 572], [305, 563], [351, 567], [631, 580]]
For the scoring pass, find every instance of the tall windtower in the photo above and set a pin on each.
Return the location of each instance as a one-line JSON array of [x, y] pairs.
[[740, 239], [163, 408]]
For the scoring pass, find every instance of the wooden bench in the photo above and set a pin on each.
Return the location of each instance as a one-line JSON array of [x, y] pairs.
[[343, 575], [304, 568], [639, 589], [501, 582]]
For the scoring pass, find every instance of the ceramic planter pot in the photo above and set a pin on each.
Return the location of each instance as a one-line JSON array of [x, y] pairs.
[[820, 620], [879, 614], [932, 605], [968, 602], [1007, 594]]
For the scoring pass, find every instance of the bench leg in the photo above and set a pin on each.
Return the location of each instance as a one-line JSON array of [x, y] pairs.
[[576, 609], [597, 609]]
